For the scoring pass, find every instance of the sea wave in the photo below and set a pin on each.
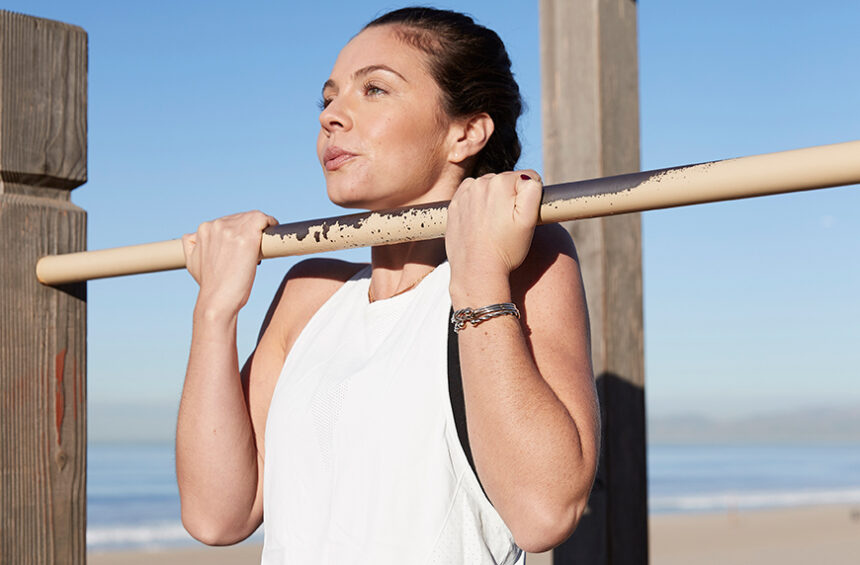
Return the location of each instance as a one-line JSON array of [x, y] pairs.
[[734, 500], [164, 534], [153, 535]]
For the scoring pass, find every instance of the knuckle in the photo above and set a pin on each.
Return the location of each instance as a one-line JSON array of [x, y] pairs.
[[533, 174]]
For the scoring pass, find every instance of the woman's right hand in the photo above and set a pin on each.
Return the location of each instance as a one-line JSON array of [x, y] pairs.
[[222, 256]]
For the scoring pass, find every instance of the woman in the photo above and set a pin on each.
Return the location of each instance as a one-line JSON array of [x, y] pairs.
[[345, 425]]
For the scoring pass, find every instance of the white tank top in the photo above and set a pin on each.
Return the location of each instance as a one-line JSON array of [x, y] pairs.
[[363, 461]]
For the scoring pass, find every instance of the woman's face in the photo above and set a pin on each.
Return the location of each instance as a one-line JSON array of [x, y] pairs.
[[384, 139]]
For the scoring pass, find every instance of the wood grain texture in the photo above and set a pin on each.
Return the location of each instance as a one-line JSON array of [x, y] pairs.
[[591, 129], [43, 341], [43, 110], [42, 387]]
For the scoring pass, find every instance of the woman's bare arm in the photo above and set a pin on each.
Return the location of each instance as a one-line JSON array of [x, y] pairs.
[[530, 399], [222, 416], [216, 455]]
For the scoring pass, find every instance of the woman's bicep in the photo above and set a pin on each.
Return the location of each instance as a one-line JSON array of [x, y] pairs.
[[259, 377], [555, 319]]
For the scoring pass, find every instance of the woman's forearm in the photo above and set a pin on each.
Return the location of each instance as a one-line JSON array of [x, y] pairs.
[[534, 458], [216, 454]]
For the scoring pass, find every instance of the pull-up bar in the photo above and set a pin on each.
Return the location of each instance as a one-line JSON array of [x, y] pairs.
[[743, 177]]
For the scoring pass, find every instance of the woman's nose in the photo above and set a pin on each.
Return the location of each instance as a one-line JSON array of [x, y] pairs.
[[335, 115]]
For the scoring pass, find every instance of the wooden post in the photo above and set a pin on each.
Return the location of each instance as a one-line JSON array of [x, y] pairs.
[[591, 129], [43, 144]]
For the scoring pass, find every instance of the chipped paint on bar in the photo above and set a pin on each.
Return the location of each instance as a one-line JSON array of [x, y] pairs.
[[427, 221]]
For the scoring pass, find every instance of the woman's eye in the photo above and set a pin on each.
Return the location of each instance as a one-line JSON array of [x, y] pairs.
[[323, 103], [373, 90]]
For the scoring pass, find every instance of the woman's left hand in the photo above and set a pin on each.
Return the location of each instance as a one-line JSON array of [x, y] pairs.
[[491, 222]]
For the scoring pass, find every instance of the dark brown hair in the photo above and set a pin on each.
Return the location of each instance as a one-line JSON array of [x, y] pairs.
[[472, 68]]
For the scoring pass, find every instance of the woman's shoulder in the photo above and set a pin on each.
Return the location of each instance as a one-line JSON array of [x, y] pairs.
[[323, 271], [551, 247], [550, 241], [551, 267], [309, 283], [304, 289]]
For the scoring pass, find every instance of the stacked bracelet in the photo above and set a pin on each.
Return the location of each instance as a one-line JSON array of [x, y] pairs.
[[475, 316]]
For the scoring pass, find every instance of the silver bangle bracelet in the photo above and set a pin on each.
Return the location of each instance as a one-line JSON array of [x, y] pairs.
[[476, 316]]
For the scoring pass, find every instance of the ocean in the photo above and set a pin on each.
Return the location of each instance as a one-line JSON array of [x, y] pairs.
[[133, 501], [132, 498]]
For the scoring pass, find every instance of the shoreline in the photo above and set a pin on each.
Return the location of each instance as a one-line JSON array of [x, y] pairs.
[[785, 536]]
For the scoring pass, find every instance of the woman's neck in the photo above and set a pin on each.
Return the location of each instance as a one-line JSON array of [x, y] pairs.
[[399, 267]]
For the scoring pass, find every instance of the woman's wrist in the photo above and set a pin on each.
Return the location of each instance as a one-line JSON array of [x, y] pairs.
[[477, 291], [213, 312]]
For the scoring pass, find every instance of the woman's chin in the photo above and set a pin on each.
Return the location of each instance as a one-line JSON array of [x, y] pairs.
[[353, 197], [343, 199], [359, 197], [348, 200]]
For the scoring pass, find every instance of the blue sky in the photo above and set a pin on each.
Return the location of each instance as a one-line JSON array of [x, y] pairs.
[[200, 109]]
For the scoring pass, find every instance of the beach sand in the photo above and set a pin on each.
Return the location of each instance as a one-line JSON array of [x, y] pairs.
[[246, 553], [792, 536], [814, 535]]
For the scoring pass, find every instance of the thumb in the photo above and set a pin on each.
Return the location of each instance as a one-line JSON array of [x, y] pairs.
[[189, 241], [527, 200]]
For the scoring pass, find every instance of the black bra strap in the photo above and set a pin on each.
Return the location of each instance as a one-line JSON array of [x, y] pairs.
[[455, 393]]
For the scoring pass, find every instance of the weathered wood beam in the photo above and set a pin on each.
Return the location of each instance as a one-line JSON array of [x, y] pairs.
[[43, 150], [590, 107]]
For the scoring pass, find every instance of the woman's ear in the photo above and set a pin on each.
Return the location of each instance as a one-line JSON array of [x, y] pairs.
[[469, 136]]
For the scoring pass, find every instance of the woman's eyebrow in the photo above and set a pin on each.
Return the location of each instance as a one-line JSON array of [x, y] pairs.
[[330, 83], [370, 68]]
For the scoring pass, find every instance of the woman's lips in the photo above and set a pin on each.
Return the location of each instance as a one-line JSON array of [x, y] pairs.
[[335, 157]]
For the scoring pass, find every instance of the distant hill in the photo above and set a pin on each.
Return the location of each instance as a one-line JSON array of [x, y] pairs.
[[813, 425], [156, 422]]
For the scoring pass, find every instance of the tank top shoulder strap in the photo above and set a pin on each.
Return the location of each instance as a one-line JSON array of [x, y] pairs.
[[457, 397]]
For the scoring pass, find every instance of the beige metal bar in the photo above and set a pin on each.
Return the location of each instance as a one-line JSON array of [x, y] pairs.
[[113, 262], [744, 177]]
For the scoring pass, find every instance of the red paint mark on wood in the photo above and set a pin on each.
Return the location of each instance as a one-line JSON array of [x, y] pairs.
[[59, 366], [77, 384]]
